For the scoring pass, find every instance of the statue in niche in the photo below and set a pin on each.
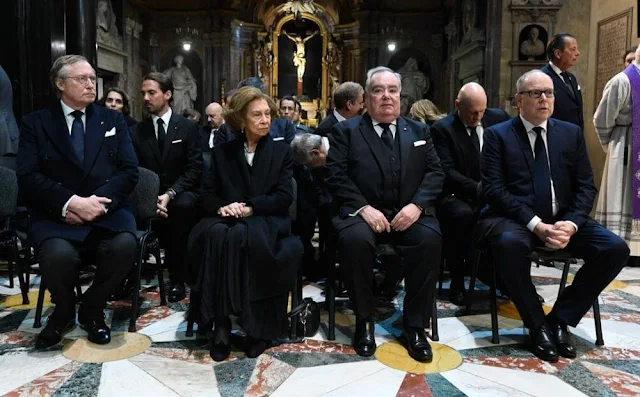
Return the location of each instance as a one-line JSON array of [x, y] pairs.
[[263, 52], [532, 48], [185, 89], [415, 84], [297, 7], [299, 60], [333, 60], [106, 24], [469, 30]]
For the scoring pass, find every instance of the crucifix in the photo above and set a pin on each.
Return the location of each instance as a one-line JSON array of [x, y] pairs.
[[299, 60]]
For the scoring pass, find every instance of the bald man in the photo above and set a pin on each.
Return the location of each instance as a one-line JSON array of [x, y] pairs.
[[458, 141], [211, 133]]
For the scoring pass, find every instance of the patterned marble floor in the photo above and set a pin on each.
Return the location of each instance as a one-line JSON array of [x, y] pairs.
[[175, 365]]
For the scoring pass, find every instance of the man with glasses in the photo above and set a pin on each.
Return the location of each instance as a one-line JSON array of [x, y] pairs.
[[538, 183], [76, 168], [563, 54], [349, 102]]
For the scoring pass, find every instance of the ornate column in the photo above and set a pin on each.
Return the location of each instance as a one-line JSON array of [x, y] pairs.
[[154, 56], [81, 28], [132, 80], [217, 59]]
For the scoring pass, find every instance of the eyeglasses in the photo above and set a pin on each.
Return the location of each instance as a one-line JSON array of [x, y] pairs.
[[535, 94], [82, 79]]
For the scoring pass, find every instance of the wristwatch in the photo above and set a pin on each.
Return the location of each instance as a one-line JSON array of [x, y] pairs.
[[171, 193]]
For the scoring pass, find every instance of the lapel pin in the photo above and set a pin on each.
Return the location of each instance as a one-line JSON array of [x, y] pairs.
[[102, 122]]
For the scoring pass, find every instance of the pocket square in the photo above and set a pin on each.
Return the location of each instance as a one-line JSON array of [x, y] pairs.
[[176, 141], [419, 143], [278, 139], [111, 132]]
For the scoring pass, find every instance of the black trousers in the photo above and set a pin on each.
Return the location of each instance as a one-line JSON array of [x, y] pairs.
[[511, 243], [420, 248], [174, 234], [60, 260], [457, 220]]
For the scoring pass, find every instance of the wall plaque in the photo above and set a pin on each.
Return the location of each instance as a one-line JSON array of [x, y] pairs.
[[614, 37]]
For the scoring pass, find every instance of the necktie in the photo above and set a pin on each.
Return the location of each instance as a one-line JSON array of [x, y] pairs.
[[542, 179], [474, 137], [212, 137], [567, 81], [387, 136], [77, 135], [161, 134]]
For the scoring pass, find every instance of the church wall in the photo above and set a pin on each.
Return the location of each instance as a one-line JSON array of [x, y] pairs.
[[600, 10]]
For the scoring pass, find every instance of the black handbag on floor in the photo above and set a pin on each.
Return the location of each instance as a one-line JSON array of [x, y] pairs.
[[307, 315]]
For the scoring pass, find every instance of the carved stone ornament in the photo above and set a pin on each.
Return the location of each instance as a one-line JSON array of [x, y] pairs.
[[535, 2]]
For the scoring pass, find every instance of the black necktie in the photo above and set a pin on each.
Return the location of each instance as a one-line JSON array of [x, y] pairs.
[[387, 136], [161, 134], [567, 81], [474, 138], [542, 179], [77, 135]]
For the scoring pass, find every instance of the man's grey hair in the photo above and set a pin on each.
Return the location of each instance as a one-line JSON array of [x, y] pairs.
[[302, 145], [347, 91], [59, 69], [524, 77], [380, 69]]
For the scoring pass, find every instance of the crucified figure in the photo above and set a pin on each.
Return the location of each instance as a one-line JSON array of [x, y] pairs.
[[299, 60]]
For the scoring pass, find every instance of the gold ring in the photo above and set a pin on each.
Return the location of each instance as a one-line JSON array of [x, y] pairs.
[[377, 228]]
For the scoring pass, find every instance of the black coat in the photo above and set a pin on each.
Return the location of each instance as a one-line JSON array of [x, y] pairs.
[[357, 166], [508, 171], [179, 166], [280, 130], [266, 187], [459, 158], [567, 107], [49, 172], [221, 136], [326, 125]]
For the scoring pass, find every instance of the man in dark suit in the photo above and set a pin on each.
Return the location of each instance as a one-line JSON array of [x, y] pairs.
[[169, 145], [76, 168], [563, 53], [385, 177], [290, 109], [210, 134], [458, 141], [538, 183], [349, 102]]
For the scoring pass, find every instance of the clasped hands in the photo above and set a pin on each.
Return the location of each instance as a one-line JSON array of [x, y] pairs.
[[85, 209], [555, 236], [236, 210], [401, 222]]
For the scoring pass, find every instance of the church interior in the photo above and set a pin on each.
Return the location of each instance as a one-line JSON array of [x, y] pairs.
[[306, 49]]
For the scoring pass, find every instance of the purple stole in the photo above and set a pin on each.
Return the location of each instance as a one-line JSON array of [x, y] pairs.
[[634, 79]]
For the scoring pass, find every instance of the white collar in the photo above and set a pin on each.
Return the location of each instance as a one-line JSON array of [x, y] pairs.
[[338, 116], [529, 126], [66, 110], [555, 68], [376, 122], [165, 117]]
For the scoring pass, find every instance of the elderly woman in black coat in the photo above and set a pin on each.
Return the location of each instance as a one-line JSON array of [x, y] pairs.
[[244, 249]]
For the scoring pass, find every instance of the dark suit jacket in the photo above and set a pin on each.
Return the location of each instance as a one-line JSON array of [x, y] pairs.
[[459, 159], [49, 172], [179, 166], [326, 125], [222, 136], [358, 164], [567, 107], [280, 129], [508, 171]]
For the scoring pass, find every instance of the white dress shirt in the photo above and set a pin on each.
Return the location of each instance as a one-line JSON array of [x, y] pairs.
[[338, 116], [69, 118], [378, 128], [212, 137], [165, 117], [479, 132], [532, 141]]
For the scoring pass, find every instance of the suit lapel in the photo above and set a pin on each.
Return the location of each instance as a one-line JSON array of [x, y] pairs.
[[553, 145], [375, 144], [172, 131], [243, 167], [148, 137], [558, 82], [262, 163], [525, 144], [93, 136], [462, 137], [405, 137], [58, 131]]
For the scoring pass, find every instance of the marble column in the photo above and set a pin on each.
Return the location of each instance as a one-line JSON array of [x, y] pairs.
[[81, 28]]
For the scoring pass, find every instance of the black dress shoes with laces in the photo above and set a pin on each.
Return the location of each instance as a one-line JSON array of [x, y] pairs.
[[97, 331], [543, 346], [52, 334], [417, 344], [364, 341]]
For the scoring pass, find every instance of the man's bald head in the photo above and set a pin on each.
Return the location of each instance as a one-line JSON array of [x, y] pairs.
[[471, 104], [214, 115]]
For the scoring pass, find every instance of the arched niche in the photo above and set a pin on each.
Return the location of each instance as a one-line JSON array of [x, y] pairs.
[[194, 62]]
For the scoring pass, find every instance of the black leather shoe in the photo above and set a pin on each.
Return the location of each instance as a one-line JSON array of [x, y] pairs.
[[176, 292], [256, 347], [542, 345], [457, 295], [221, 343], [364, 341], [97, 331], [417, 344], [52, 335], [562, 338]]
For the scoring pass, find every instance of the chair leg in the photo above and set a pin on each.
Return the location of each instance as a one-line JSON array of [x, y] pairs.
[[22, 272], [294, 303], [441, 275], [598, 323], [330, 296], [163, 295], [565, 275], [135, 311], [37, 321], [434, 321], [495, 337], [11, 268], [194, 304], [472, 281]]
